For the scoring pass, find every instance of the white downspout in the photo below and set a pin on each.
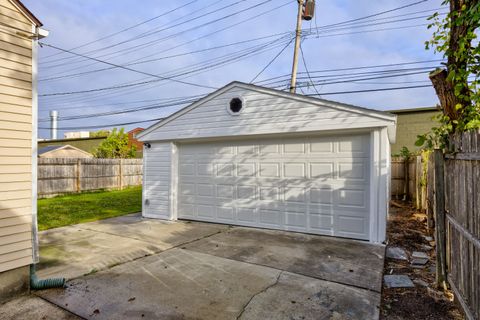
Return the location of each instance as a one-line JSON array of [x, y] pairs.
[[39, 33]]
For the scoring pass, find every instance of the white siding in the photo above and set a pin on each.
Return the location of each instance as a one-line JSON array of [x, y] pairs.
[[16, 130], [157, 180], [264, 113]]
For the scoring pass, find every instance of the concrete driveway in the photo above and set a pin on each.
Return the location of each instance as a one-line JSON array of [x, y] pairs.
[[129, 267]]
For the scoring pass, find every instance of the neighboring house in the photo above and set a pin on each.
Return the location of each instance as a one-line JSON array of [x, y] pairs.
[[410, 124], [133, 141], [85, 144], [19, 33], [253, 156], [76, 134], [66, 151]]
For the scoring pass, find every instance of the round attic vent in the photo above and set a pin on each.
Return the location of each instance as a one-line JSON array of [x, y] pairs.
[[236, 106]]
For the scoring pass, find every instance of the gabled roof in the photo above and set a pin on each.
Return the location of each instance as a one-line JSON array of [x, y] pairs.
[[48, 149], [27, 12], [293, 96]]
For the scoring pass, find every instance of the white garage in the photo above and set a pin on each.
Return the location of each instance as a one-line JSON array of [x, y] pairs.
[[252, 156]]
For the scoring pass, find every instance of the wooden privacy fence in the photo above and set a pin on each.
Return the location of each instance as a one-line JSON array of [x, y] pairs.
[[64, 175], [408, 180], [456, 202]]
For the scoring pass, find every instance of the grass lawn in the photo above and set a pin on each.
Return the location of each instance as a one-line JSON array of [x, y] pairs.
[[77, 208]]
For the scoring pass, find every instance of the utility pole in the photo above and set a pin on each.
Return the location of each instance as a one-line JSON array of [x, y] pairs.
[[298, 38]]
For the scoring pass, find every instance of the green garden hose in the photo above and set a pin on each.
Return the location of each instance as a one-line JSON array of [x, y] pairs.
[[39, 284]]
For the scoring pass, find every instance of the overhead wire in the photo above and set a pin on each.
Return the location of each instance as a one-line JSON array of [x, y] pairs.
[[306, 70], [194, 28], [159, 29], [140, 61], [197, 38], [125, 68], [125, 29], [161, 118], [272, 60]]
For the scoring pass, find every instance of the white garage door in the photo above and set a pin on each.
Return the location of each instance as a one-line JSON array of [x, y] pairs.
[[315, 185]]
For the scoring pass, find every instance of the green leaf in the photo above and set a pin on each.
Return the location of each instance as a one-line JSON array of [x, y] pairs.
[[420, 140]]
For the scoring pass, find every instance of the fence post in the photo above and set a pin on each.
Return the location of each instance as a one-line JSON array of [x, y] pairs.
[[430, 193], [120, 174], [406, 176], [418, 182], [439, 207], [78, 170]]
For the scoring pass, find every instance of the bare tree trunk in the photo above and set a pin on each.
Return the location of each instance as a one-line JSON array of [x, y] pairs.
[[444, 88], [445, 92]]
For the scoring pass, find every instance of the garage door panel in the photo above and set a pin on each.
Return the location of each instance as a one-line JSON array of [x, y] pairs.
[[269, 170], [321, 222], [296, 219], [271, 218], [225, 191], [248, 215], [206, 211], [351, 198], [322, 170], [316, 185], [226, 214], [269, 193], [294, 170], [353, 226], [321, 195]]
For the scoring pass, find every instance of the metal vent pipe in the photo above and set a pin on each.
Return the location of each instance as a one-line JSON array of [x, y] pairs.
[[53, 124]]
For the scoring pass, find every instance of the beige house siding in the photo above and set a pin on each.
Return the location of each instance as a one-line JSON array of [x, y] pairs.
[[410, 124], [15, 138]]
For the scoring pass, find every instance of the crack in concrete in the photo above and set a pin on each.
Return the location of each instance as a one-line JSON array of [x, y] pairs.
[[109, 267], [148, 254], [59, 306], [258, 293]]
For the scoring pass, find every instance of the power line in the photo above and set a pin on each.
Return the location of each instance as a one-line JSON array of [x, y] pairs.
[[180, 32], [116, 112], [166, 57], [247, 52], [322, 27], [105, 125], [157, 119], [323, 36], [325, 82], [381, 12], [143, 82], [126, 29], [138, 61], [363, 67], [358, 68], [125, 68], [371, 90], [350, 76], [306, 70], [156, 30], [271, 61], [113, 104], [200, 37]]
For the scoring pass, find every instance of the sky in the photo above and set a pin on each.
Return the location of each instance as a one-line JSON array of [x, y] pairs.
[[189, 48]]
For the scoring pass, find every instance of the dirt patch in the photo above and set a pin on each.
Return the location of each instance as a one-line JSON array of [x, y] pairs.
[[407, 229]]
